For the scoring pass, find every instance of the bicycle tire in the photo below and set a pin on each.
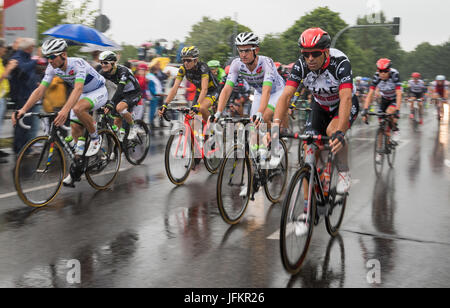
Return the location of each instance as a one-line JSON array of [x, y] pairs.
[[222, 200], [379, 149], [212, 162], [175, 179], [275, 197], [335, 200], [293, 266], [21, 162], [129, 146], [103, 160], [391, 151]]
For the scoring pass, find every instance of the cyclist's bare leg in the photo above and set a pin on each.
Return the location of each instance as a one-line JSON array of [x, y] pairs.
[[204, 108], [342, 156], [122, 110], [77, 131], [81, 110]]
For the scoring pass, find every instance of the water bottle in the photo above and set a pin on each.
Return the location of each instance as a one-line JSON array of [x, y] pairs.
[[121, 134], [80, 146], [69, 140]]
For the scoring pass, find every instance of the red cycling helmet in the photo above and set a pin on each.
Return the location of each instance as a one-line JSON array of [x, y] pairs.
[[314, 38], [384, 64], [415, 75], [277, 65], [227, 70]]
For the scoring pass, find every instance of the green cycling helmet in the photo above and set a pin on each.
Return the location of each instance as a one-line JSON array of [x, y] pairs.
[[214, 63]]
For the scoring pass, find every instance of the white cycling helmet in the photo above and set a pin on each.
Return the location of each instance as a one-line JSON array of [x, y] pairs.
[[246, 38], [440, 77], [108, 56], [54, 46]]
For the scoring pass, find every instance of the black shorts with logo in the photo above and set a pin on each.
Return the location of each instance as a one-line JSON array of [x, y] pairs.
[[319, 118], [131, 99]]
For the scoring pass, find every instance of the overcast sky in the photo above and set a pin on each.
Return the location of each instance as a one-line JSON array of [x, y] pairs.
[[134, 21]]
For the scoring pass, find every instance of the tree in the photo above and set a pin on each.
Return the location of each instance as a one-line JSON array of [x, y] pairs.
[[321, 17], [214, 38], [51, 13]]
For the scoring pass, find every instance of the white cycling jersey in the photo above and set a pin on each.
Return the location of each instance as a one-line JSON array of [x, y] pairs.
[[265, 74], [417, 87], [78, 70]]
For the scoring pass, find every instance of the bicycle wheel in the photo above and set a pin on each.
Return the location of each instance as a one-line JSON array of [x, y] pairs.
[[390, 150], [277, 177], [301, 153], [39, 171], [213, 153], [379, 151], [136, 150], [178, 158], [103, 168], [338, 202], [234, 185], [297, 221]]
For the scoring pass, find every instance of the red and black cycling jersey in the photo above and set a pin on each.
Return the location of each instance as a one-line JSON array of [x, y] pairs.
[[126, 82], [387, 87], [326, 83], [196, 74]]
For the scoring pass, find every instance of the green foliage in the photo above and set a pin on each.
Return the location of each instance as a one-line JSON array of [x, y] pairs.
[[51, 13], [128, 52], [214, 38]]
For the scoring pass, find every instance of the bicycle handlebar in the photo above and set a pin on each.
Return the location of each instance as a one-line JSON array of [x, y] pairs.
[[40, 115], [305, 137]]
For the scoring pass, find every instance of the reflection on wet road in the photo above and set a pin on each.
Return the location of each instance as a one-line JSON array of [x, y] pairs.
[[144, 232]]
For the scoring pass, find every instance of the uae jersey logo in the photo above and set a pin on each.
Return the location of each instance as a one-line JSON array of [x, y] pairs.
[[259, 70], [71, 73]]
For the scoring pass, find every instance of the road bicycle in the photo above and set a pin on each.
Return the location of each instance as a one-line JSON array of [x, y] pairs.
[[185, 147], [311, 194], [135, 150], [384, 145], [416, 111], [41, 165], [243, 172]]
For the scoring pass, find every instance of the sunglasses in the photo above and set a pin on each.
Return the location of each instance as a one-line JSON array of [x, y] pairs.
[[53, 56], [188, 60], [104, 63], [246, 50], [314, 54], [384, 71]]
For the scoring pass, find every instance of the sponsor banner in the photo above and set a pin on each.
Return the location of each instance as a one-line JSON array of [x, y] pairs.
[[19, 19]]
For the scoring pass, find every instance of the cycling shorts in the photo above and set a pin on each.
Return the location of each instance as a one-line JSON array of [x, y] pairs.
[[131, 99], [319, 118], [273, 100], [97, 98], [385, 104], [416, 95]]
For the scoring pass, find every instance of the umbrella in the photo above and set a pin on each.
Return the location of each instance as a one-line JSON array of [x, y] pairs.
[[92, 47], [80, 33], [147, 44]]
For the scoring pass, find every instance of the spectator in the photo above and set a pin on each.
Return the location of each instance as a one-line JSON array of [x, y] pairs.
[[95, 63], [24, 81], [155, 93], [162, 77], [4, 89]]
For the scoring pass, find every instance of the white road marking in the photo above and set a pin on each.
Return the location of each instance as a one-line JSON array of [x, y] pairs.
[[12, 194]]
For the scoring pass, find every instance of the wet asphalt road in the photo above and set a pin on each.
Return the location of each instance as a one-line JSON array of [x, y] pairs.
[[144, 232]]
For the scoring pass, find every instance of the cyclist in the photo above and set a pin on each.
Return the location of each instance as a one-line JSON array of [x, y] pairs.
[[439, 90], [89, 91], [260, 72], [127, 95], [417, 90], [217, 71], [387, 80], [327, 73], [201, 76]]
